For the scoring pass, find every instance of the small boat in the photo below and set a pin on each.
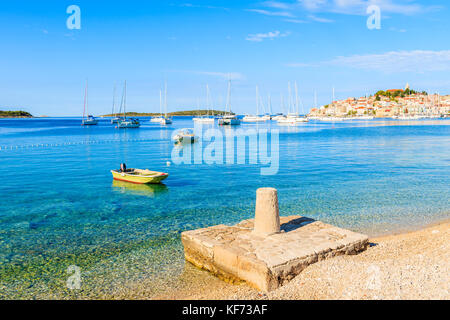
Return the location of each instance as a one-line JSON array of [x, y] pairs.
[[278, 117], [156, 119], [128, 123], [89, 120], [115, 120], [204, 120], [251, 118], [138, 176], [256, 117], [287, 121], [185, 136], [229, 120], [124, 122], [208, 118], [160, 118], [166, 121], [301, 119]]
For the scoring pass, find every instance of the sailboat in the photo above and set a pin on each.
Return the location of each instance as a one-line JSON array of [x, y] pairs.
[[160, 118], [165, 120], [255, 118], [291, 118], [127, 123], [298, 118], [88, 120], [229, 119], [280, 116], [208, 118], [115, 118]]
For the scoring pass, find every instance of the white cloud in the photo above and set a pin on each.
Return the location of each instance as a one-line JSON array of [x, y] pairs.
[[319, 19], [272, 13], [276, 4], [348, 7], [358, 7], [259, 37], [295, 21], [418, 61]]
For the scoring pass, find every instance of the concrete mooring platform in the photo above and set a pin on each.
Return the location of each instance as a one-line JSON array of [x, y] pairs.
[[268, 255]]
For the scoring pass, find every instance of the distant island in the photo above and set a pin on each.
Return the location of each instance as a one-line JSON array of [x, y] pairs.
[[15, 114], [173, 114]]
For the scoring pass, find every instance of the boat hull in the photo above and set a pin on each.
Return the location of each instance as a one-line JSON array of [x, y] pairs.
[[229, 122], [203, 120], [139, 179], [166, 122], [90, 123], [128, 124]]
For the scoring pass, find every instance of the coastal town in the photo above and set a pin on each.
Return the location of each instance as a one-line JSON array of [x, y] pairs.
[[392, 103]]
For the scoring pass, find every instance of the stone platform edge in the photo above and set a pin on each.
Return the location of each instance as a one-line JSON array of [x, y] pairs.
[[234, 264]]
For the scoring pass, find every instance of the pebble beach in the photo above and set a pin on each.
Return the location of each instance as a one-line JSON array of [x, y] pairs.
[[413, 265]]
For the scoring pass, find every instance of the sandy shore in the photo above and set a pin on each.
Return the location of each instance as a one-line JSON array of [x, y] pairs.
[[413, 265]]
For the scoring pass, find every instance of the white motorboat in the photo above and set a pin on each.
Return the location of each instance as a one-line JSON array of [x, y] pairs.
[[185, 136]]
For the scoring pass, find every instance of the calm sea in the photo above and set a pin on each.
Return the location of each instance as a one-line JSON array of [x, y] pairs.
[[60, 207]]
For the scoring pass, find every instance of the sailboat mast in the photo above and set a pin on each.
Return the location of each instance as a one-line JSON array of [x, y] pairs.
[[228, 107], [270, 104], [207, 98], [296, 96], [160, 102], [257, 101], [85, 100], [290, 97], [165, 99], [114, 102], [125, 100]]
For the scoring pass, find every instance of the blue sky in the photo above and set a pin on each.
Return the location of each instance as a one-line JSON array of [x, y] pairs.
[[318, 43]]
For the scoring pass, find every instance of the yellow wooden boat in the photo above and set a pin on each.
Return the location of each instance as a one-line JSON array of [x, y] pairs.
[[139, 176]]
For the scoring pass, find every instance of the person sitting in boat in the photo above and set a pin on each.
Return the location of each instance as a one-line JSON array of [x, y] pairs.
[[123, 168]]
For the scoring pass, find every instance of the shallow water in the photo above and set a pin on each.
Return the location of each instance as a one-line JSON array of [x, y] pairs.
[[60, 206]]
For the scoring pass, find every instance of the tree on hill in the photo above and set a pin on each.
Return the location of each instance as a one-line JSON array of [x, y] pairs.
[[15, 114]]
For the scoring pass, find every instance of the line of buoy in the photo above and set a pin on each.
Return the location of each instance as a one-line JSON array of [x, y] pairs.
[[51, 145]]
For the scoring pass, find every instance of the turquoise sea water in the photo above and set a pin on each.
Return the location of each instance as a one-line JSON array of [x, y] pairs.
[[60, 206]]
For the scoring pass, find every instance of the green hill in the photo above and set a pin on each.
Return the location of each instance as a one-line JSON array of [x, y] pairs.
[[15, 114]]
